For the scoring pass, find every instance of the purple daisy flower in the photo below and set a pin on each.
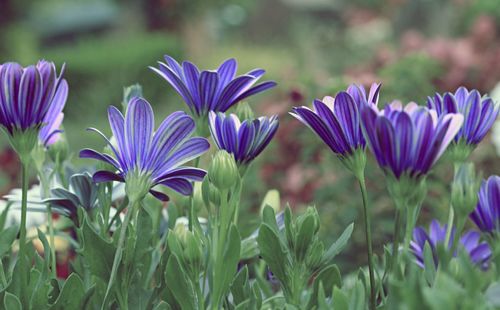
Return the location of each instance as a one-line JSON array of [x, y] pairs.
[[337, 120], [32, 98], [245, 140], [479, 113], [211, 90], [486, 216], [144, 158], [408, 141], [479, 252]]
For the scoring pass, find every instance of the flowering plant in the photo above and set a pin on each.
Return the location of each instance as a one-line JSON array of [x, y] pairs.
[[155, 224]]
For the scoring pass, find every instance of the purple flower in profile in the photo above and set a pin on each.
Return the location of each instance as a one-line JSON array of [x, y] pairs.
[[479, 252], [409, 141], [486, 216], [32, 98], [479, 113], [143, 158], [337, 120], [211, 90], [245, 140]]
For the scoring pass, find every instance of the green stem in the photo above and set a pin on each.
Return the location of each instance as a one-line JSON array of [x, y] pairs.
[[395, 244], [192, 214], [3, 279], [50, 228], [368, 235], [237, 206], [449, 228], [119, 251], [22, 234], [219, 239]]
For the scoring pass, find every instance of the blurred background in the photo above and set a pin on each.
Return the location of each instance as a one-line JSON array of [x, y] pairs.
[[312, 48]]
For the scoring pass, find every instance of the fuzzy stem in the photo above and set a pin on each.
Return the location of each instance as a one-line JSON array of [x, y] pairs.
[[119, 251], [368, 235]]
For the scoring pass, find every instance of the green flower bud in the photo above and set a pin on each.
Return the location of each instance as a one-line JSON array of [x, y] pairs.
[[59, 151], [129, 93], [223, 171], [271, 199], [38, 156], [190, 245], [464, 189], [244, 111]]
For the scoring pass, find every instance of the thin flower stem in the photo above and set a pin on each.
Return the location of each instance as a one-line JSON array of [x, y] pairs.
[[192, 214], [53, 256], [395, 244], [449, 228], [119, 250], [368, 234], [22, 234], [50, 223]]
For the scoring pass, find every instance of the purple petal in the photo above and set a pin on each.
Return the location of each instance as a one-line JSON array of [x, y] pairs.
[[106, 176]]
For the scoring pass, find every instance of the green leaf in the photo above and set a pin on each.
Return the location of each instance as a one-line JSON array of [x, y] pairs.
[[11, 302], [98, 253], [162, 306], [249, 248], [72, 294], [493, 294], [269, 218], [328, 277], [304, 237], [7, 237], [338, 245], [180, 286], [239, 287], [228, 266], [430, 267], [273, 252], [340, 301], [357, 300]]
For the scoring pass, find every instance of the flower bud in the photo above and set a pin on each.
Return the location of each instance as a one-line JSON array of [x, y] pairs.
[[131, 92], [271, 199], [223, 171], [464, 189], [59, 150], [244, 111]]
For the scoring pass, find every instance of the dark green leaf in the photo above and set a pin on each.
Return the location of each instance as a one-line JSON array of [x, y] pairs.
[[338, 245], [180, 286], [98, 253], [7, 237], [11, 302], [72, 294], [273, 252]]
